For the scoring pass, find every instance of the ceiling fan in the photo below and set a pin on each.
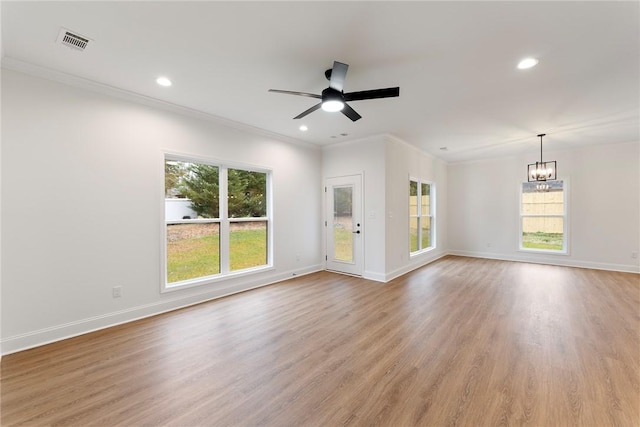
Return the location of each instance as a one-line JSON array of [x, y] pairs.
[[334, 99]]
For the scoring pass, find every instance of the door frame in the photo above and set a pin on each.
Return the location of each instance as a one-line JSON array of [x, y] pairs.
[[356, 268]]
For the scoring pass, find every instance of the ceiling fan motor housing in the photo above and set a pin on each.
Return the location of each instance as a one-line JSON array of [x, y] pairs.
[[330, 94]]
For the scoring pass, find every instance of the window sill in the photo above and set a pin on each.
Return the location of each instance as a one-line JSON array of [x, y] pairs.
[[209, 280], [543, 251], [421, 252]]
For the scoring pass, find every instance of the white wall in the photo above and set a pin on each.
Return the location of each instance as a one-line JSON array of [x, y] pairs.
[[604, 207], [82, 199], [403, 161], [364, 157], [1, 55]]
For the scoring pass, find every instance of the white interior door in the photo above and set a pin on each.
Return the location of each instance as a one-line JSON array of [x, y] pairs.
[[344, 228]]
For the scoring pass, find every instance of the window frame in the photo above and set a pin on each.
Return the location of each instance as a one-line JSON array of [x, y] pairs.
[[224, 221], [431, 215], [564, 216]]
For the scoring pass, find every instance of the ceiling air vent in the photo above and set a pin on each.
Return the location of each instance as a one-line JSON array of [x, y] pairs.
[[73, 39]]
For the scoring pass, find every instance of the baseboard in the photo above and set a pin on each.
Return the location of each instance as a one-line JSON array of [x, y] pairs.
[[377, 277], [416, 263], [44, 336], [548, 261]]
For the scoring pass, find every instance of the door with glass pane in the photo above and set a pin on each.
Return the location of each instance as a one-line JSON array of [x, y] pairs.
[[344, 228]]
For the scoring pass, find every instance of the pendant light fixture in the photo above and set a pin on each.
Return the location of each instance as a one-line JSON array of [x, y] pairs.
[[541, 171]]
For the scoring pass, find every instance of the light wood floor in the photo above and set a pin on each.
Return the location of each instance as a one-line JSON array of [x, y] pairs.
[[462, 341]]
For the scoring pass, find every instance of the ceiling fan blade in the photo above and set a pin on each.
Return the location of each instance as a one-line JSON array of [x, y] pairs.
[[289, 92], [389, 92], [309, 111], [351, 113], [338, 74]]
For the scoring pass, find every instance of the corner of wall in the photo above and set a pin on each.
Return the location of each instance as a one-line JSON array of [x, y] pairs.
[[0, 219], [404, 160]]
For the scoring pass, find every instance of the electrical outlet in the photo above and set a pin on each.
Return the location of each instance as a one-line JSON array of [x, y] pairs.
[[488, 245], [117, 291], [634, 255]]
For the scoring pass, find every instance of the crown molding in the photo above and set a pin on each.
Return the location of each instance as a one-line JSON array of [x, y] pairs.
[[401, 141], [384, 137], [13, 64]]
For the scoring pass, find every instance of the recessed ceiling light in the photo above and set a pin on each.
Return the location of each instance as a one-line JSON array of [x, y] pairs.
[[527, 63], [163, 81], [304, 128]]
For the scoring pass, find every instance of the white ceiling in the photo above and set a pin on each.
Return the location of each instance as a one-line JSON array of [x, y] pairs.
[[455, 63]]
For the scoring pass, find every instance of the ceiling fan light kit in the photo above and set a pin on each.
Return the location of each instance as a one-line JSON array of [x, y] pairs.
[[333, 98], [332, 106]]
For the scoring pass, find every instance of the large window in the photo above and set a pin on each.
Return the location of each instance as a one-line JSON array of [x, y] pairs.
[[421, 216], [216, 220], [543, 217]]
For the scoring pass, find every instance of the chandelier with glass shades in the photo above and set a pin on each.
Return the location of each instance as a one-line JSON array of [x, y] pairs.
[[542, 171]]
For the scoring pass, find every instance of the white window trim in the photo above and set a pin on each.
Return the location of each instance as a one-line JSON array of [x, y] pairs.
[[565, 222], [432, 216], [222, 219]]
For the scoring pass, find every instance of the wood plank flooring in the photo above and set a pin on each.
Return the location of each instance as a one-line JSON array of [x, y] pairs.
[[460, 342]]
